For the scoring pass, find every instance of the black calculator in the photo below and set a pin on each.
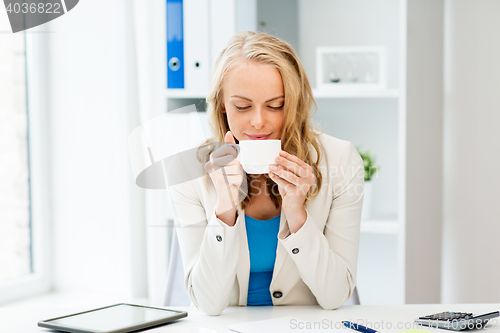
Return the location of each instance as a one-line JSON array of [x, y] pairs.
[[456, 321]]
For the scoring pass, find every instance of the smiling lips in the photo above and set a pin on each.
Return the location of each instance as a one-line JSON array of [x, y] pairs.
[[258, 137]]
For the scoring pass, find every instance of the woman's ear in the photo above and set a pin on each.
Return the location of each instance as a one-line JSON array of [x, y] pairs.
[[223, 108]]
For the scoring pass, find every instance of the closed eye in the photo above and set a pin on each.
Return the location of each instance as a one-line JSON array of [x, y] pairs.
[[246, 107]]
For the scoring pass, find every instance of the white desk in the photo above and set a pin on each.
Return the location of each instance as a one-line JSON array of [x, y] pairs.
[[24, 320]]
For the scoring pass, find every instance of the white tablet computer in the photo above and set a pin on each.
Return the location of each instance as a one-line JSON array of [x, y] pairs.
[[117, 318]]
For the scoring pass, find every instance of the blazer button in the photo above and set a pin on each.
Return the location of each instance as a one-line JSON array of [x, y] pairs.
[[277, 294], [219, 238], [295, 251]]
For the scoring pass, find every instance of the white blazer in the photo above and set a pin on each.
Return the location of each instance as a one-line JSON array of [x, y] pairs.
[[315, 265]]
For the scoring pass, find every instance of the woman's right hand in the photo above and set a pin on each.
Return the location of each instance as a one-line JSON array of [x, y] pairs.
[[227, 176]]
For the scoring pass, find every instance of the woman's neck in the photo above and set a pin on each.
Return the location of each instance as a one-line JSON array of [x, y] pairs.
[[261, 206], [258, 185]]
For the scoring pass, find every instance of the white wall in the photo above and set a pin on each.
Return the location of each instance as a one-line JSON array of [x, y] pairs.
[[471, 247], [371, 123], [98, 241]]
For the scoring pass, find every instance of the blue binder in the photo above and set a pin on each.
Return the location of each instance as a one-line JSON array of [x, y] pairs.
[[175, 45]]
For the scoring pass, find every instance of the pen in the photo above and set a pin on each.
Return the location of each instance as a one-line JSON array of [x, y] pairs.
[[359, 328]]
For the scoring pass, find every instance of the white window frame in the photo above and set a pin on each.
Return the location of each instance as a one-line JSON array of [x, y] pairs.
[[40, 280]]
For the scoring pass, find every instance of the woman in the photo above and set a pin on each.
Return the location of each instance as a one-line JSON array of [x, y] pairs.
[[292, 238]]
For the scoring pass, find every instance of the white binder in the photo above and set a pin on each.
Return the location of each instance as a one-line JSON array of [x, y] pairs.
[[196, 45]]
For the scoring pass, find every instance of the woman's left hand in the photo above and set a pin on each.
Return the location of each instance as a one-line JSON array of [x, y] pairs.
[[294, 178]]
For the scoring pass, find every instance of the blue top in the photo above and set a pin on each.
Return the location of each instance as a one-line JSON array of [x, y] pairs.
[[262, 238]]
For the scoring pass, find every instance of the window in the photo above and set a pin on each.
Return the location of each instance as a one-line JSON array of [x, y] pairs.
[[15, 216], [24, 228]]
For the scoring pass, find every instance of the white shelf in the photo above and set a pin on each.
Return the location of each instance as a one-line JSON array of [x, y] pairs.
[[355, 93], [323, 93], [181, 93], [380, 226]]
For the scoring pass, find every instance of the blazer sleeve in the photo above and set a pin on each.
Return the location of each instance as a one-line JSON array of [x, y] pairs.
[[209, 250], [327, 260]]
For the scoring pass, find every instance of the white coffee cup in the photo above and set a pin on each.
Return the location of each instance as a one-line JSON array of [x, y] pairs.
[[256, 155]]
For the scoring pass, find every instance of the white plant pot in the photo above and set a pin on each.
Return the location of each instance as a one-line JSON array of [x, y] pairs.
[[367, 201]]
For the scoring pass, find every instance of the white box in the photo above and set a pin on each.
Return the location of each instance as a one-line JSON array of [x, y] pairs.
[[350, 67]]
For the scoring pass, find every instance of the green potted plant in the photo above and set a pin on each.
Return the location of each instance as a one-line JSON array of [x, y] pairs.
[[370, 170]]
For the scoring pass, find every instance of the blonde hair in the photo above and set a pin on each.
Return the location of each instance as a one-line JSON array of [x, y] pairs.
[[297, 132]]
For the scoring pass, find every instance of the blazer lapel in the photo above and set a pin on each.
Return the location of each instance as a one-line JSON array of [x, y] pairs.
[[243, 268], [280, 250]]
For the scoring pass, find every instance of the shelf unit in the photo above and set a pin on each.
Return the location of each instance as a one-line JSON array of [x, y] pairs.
[[393, 268], [354, 93], [380, 226], [323, 94], [181, 93]]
